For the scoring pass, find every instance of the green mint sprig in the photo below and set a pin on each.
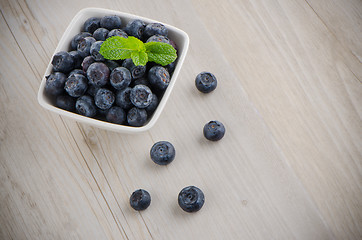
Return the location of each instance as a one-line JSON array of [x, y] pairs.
[[115, 48]]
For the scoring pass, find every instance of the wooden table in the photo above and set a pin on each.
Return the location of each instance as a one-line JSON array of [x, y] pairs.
[[289, 94]]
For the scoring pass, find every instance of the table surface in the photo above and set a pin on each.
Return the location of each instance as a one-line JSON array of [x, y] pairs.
[[289, 94]]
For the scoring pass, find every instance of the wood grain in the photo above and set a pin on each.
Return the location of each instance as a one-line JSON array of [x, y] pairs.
[[289, 166], [297, 74]]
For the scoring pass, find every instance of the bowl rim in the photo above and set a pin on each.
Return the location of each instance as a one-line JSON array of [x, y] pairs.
[[100, 123]]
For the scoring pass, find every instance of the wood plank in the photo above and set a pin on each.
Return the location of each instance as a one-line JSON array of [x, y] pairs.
[[344, 20], [300, 78]]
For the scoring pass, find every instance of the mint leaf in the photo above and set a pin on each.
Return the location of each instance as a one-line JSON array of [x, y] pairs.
[[139, 58], [115, 48], [161, 53]]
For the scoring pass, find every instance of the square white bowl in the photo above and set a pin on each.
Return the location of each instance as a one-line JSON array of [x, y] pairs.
[[178, 36]]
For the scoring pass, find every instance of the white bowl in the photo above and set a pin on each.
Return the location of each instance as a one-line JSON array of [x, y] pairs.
[[178, 36]]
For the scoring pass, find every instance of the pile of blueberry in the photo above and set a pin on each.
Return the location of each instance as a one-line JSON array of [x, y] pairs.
[[82, 81]]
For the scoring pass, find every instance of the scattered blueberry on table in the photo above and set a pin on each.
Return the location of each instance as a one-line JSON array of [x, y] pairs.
[[206, 82], [214, 130], [118, 90], [140, 200], [191, 199], [162, 153]]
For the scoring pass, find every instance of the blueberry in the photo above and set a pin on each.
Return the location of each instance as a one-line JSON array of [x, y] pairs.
[[117, 32], [65, 102], [153, 105], [98, 74], [123, 98], [135, 28], [136, 71], [140, 200], [155, 28], [111, 64], [87, 61], [111, 22], [100, 34], [94, 51], [92, 90], [76, 85], [63, 62], [159, 77], [77, 38], [191, 199], [205, 82], [76, 71], [85, 106], [136, 117], [91, 24], [54, 84], [116, 115], [214, 130], [141, 96], [158, 38], [84, 46], [120, 78], [77, 57], [104, 98], [162, 153]]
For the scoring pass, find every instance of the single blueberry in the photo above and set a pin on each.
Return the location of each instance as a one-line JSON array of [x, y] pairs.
[[120, 78], [117, 32], [191, 199], [85, 106], [141, 96], [205, 82], [76, 71], [158, 38], [65, 102], [100, 34], [111, 64], [153, 29], [159, 77], [63, 62], [214, 130], [116, 115], [153, 105], [87, 61], [91, 24], [140, 200], [136, 71], [77, 38], [77, 57], [98, 74], [162, 153], [94, 51], [136, 117], [135, 28], [111, 22], [123, 98], [54, 84], [76, 85], [104, 98], [84, 46]]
